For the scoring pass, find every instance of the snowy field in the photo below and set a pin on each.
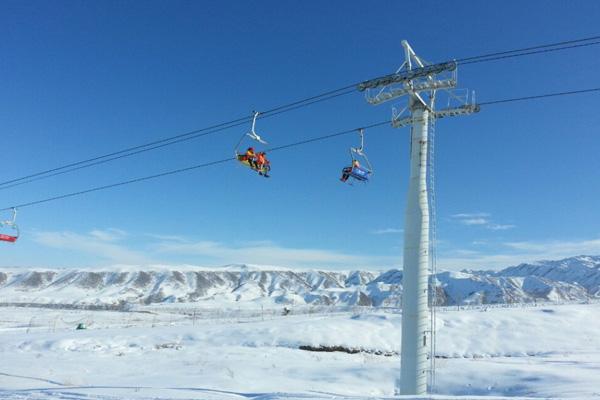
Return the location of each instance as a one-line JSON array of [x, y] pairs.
[[545, 351]]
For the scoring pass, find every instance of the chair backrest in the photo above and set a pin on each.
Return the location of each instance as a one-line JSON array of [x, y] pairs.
[[360, 174]]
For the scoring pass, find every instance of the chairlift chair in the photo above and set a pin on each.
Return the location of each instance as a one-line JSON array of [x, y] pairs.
[[363, 171], [253, 136], [9, 226]]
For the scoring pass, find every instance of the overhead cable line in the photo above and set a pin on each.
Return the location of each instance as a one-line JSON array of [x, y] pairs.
[[130, 151], [521, 54], [543, 46], [282, 147], [541, 96], [157, 144], [113, 185], [193, 167]]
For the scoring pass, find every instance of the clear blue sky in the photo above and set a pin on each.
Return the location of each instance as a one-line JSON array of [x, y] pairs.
[[517, 182]]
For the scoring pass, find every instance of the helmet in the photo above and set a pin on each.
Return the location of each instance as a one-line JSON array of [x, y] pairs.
[[251, 148]]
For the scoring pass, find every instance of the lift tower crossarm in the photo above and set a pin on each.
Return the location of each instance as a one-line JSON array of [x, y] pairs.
[[398, 122], [407, 88], [407, 75]]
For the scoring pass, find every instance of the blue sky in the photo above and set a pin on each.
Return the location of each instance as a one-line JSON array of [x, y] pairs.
[[516, 182]]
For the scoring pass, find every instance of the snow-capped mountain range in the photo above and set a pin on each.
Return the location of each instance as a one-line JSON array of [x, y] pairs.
[[571, 279]]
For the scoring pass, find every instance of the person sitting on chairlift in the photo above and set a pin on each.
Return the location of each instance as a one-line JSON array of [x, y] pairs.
[[250, 156], [347, 170], [262, 164]]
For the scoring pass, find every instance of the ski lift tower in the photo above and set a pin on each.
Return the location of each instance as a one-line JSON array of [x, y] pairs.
[[418, 81]]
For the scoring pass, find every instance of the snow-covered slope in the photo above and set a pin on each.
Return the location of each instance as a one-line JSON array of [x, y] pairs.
[[576, 278], [549, 352]]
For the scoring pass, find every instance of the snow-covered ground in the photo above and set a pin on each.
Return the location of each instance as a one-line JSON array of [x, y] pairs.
[[545, 351]]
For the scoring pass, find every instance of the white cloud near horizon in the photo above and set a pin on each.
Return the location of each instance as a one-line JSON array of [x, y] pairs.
[[482, 219], [515, 253], [110, 245], [500, 227], [386, 231], [471, 215], [556, 247], [474, 221], [173, 238], [270, 253], [96, 243], [109, 234]]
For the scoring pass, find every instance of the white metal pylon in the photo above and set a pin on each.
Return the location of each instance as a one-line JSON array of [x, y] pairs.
[[419, 81]]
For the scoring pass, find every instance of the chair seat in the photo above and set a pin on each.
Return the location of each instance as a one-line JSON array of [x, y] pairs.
[[8, 238]]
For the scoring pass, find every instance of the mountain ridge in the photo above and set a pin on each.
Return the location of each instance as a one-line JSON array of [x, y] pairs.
[[569, 279]]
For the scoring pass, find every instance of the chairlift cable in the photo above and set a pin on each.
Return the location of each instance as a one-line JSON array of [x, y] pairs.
[[541, 96], [311, 140], [171, 140], [113, 185], [277, 148], [98, 161], [527, 53], [543, 46], [176, 171], [116, 157], [127, 152]]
